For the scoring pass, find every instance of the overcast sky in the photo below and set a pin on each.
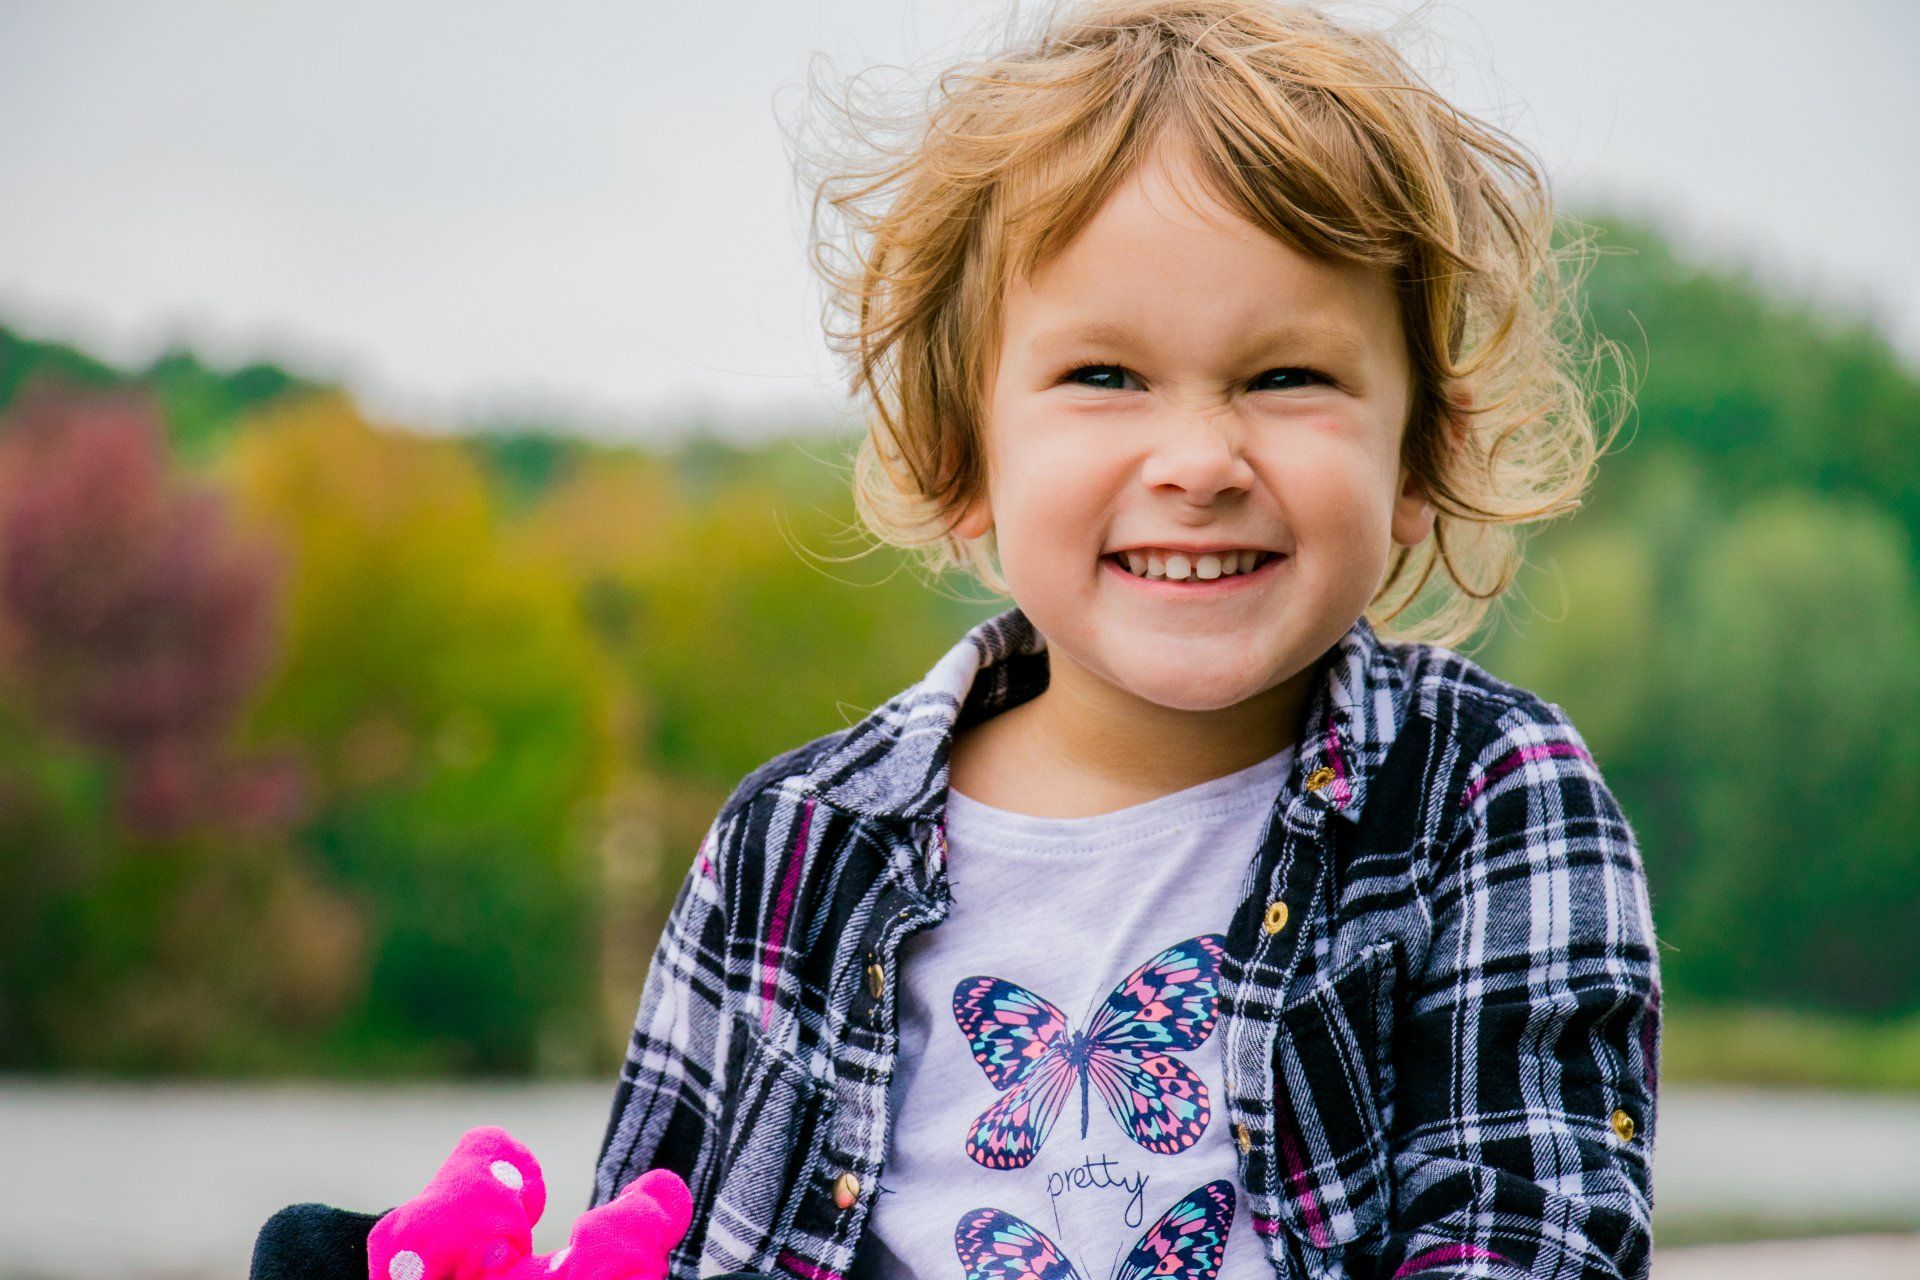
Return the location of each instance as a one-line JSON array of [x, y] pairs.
[[585, 210]]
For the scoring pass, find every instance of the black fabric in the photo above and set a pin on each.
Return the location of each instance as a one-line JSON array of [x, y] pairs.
[[313, 1242]]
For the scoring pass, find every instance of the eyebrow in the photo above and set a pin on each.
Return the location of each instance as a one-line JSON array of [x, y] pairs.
[[1328, 340]]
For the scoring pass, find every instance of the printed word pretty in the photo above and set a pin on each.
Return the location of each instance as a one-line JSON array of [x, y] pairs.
[[1096, 1173]]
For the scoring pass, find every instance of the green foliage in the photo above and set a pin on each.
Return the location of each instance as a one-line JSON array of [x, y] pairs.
[[1763, 391], [1797, 719], [523, 464], [1788, 1048], [202, 406], [521, 670], [1735, 626], [747, 652], [716, 579], [459, 716], [22, 360]]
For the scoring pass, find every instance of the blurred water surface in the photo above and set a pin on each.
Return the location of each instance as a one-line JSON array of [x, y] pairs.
[[170, 1182]]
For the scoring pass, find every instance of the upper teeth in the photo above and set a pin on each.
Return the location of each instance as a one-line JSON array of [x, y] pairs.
[[1179, 566]]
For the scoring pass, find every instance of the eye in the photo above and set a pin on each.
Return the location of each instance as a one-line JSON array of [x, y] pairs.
[[1110, 377], [1295, 378], [1113, 377]]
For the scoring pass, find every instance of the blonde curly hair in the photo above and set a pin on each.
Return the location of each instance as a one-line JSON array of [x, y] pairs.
[[1318, 132]]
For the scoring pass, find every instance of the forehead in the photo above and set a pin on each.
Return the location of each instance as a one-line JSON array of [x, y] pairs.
[[1163, 255]]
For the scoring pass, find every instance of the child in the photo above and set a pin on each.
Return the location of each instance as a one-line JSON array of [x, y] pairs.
[[1177, 922]]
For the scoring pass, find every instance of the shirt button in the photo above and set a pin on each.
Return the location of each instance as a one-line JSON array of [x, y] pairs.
[[1622, 1126], [876, 977], [846, 1189], [1276, 917], [1241, 1136], [1319, 778]]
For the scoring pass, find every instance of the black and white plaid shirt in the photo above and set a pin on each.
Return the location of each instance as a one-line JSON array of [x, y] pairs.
[[1440, 999]]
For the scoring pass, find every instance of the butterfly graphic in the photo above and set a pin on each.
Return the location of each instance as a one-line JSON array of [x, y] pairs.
[[1022, 1043], [1186, 1243]]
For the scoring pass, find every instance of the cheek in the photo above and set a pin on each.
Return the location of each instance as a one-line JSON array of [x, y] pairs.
[[1335, 498], [1054, 482]]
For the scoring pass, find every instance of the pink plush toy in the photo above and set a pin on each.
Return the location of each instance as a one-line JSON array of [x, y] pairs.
[[475, 1221]]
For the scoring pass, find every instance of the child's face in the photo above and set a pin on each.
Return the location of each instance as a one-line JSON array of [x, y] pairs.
[[1196, 426]]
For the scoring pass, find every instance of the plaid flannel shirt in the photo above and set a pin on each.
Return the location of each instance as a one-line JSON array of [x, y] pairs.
[[1440, 1001]]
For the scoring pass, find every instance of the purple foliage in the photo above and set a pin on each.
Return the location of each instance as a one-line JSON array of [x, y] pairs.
[[134, 618]]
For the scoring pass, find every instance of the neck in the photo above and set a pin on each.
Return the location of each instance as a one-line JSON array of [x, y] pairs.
[[1084, 746]]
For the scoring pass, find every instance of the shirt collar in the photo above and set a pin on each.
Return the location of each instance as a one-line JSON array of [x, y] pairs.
[[893, 763]]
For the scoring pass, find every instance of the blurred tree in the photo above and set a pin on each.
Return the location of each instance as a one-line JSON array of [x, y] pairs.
[[149, 916], [1591, 624], [524, 462], [1796, 710], [460, 718], [22, 360], [1598, 594], [1765, 390], [135, 620], [736, 643], [204, 407], [200, 406]]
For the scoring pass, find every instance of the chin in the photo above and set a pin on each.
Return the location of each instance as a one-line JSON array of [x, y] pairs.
[[1191, 692]]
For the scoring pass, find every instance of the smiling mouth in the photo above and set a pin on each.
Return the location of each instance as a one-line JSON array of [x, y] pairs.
[[1190, 570]]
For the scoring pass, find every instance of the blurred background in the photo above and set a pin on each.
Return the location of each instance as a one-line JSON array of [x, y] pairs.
[[423, 496]]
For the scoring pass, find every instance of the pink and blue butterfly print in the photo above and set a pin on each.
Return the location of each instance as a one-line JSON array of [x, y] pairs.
[[1187, 1242], [1023, 1043]]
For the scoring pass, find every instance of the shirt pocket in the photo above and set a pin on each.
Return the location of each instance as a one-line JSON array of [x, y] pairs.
[[770, 1123], [1331, 1077]]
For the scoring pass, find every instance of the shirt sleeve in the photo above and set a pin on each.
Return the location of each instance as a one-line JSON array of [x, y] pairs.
[[1524, 1107], [666, 1107]]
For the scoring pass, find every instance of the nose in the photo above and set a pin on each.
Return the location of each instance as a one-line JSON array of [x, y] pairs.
[[1198, 455]]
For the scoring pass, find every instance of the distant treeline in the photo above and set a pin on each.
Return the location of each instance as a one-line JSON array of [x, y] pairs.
[[328, 747]]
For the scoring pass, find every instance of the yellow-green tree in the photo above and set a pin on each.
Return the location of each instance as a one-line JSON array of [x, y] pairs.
[[458, 716], [713, 579]]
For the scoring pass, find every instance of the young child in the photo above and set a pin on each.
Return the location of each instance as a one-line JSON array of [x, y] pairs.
[[1178, 922]]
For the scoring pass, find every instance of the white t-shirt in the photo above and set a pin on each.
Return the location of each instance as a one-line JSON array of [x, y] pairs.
[[1059, 1085]]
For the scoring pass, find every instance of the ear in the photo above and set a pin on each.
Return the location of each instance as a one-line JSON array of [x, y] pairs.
[[975, 519], [1413, 515]]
